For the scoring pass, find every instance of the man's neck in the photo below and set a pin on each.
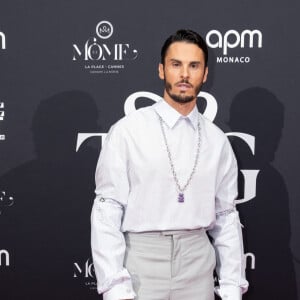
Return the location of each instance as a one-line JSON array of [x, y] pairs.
[[183, 108]]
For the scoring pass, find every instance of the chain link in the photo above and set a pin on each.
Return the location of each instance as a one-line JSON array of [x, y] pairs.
[[181, 189]]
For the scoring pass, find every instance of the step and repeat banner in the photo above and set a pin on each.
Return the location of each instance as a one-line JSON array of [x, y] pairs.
[[70, 69]]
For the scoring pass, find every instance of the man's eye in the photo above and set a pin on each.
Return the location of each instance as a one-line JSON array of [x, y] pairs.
[[174, 64], [194, 66]]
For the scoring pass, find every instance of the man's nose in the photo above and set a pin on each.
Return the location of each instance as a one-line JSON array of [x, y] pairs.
[[185, 72]]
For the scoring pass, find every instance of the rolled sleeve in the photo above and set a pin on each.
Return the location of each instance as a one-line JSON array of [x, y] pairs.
[[119, 291], [226, 232], [107, 240]]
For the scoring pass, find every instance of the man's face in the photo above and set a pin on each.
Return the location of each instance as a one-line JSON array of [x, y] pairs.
[[183, 71]]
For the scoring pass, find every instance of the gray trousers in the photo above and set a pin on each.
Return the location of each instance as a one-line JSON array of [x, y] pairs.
[[171, 265]]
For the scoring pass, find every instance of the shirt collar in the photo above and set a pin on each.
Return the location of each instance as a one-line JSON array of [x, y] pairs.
[[171, 115]]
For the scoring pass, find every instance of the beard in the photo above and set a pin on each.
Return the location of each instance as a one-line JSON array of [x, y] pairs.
[[181, 98]]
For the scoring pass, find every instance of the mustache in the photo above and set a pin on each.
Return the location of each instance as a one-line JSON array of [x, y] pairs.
[[185, 81]]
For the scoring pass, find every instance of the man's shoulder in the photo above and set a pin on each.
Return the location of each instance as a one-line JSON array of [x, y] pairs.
[[214, 137], [211, 129], [134, 119]]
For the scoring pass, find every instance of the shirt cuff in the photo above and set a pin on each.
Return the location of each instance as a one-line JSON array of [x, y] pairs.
[[123, 290], [229, 292]]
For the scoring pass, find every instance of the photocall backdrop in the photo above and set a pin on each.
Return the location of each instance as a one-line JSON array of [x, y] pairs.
[[71, 69]]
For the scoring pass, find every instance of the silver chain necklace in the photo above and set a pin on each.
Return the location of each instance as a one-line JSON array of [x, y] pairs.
[[179, 188]]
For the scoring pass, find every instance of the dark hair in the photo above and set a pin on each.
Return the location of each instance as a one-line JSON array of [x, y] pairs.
[[188, 36]]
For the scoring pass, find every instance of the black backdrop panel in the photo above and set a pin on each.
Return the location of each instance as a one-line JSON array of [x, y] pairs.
[[67, 68]]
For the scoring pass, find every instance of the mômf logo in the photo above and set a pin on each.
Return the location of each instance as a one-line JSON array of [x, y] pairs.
[[2, 41], [86, 272], [101, 56], [85, 269], [104, 30], [234, 39]]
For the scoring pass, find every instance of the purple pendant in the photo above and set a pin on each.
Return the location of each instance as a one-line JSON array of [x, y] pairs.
[[180, 197]]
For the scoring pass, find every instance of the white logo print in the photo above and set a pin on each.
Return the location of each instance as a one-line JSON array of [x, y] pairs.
[[2, 41], [2, 111], [2, 136], [86, 271], [4, 258], [104, 29], [233, 39], [101, 56]]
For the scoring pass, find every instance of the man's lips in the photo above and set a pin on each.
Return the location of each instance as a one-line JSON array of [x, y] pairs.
[[183, 86]]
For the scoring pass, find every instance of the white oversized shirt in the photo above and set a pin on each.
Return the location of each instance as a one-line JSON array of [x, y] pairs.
[[136, 192]]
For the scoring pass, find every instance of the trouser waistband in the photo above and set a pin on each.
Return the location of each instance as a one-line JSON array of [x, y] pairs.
[[167, 232]]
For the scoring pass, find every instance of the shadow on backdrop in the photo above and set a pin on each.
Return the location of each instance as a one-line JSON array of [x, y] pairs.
[[266, 218], [49, 226]]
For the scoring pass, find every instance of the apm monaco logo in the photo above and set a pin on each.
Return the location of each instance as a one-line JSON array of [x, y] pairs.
[[247, 39], [4, 258], [101, 57], [2, 41], [85, 272], [2, 115]]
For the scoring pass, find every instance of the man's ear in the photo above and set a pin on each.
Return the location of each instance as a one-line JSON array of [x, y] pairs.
[[205, 74], [161, 72]]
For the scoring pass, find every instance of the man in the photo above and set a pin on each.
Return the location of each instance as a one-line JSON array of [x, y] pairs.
[[165, 176]]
